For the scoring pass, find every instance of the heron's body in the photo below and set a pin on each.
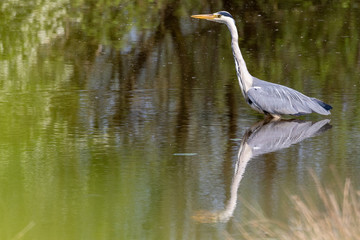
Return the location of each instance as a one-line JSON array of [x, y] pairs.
[[266, 97], [275, 99]]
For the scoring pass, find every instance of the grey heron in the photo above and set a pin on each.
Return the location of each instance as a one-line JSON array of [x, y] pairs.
[[265, 97]]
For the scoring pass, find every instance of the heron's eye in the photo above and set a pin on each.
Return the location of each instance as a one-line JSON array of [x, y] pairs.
[[218, 16]]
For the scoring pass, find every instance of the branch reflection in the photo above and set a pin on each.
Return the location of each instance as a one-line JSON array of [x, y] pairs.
[[263, 137]]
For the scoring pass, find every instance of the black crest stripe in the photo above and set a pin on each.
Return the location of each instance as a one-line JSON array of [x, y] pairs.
[[224, 13]]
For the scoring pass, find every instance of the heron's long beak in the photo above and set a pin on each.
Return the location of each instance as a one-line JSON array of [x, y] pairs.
[[204, 16]]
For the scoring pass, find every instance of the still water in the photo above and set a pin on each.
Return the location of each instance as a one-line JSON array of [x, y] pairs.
[[125, 120]]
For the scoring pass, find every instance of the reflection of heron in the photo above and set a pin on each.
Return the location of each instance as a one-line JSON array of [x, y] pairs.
[[261, 138], [265, 97]]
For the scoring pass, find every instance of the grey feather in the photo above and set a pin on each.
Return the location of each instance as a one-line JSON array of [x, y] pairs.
[[271, 98]]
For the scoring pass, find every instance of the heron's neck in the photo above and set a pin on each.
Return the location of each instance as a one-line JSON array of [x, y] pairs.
[[244, 77]]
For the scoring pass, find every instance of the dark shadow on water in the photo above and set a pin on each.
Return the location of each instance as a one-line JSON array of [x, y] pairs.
[[261, 138]]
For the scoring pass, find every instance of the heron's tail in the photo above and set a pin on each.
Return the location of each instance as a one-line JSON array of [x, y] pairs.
[[325, 108]]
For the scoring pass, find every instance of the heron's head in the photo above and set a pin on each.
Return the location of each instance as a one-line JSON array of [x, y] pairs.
[[221, 17]]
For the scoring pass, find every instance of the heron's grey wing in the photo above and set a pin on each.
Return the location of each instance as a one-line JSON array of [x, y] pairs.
[[278, 99]]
